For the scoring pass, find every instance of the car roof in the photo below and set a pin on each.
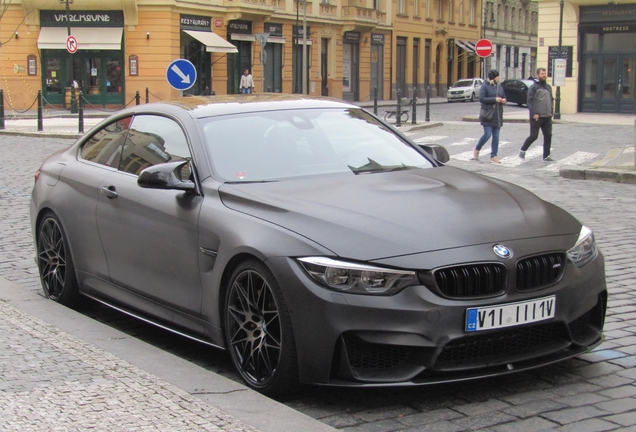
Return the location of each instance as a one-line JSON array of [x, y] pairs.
[[207, 106]]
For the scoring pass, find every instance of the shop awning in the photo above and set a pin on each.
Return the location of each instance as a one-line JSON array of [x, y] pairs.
[[88, 38], [465, 45], [212, 41]]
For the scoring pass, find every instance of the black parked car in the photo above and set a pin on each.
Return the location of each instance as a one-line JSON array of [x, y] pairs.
[[315, 244], [517, 90]]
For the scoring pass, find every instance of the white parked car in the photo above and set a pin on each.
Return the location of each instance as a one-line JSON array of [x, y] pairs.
[[465, 89]]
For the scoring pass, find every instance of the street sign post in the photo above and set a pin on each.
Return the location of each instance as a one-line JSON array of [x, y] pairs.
[[483, 47], [181, 74], [71, 44]]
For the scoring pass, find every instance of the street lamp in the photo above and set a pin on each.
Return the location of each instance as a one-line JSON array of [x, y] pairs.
[[557, 109]]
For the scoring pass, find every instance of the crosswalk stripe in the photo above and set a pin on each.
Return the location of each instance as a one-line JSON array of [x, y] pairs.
[[464, 141], [574, 159], [513, 161]]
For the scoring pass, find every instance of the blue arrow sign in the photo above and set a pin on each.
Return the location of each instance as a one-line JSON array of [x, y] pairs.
[[181, 74]]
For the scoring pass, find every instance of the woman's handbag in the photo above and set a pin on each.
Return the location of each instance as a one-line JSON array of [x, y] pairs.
[[487, 114]]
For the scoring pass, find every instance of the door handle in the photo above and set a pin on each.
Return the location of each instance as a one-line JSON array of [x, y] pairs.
[[109, 191]]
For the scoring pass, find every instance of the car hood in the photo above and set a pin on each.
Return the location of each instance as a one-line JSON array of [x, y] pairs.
[[374, 216]]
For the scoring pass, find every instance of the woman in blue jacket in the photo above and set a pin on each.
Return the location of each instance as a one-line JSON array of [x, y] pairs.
[[492, 98]]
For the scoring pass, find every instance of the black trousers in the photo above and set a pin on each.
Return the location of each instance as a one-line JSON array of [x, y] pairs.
[[545, 125]]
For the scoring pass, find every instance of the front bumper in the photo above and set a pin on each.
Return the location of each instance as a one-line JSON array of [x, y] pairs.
[[460, 97], [418, 337]]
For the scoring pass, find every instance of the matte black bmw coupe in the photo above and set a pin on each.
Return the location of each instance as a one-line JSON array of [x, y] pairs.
[[315, 243]]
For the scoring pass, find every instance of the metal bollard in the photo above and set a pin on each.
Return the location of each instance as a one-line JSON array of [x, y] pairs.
[[81, 113], [375, 100], [398, 120], [40, 126], [414, 119], [137, 98], [1, 109], [428, 104], [147, 91]]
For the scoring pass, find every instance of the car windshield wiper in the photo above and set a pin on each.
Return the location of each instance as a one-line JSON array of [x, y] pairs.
[[374, 167]]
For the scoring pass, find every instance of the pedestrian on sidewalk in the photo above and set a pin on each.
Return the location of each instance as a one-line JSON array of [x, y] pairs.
[[541, 109], [492, 98], [247, 82]]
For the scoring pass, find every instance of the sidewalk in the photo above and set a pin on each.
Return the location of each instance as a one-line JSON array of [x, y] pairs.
[[64, 371]]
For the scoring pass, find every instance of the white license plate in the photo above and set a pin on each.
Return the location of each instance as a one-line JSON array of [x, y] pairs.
[[511, 314]]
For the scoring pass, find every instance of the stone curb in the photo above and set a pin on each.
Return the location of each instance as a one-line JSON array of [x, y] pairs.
[[614, 175], [229, 396]]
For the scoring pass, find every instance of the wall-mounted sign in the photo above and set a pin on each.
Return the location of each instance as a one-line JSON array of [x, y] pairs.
[[218, 22], [377, 38], [133, 65], [274, 29], [607, 13], [60, 18], [298, 31], [32, 64], [351, 37], [195, 22], [242, 27], [559, 67], [565, 52]]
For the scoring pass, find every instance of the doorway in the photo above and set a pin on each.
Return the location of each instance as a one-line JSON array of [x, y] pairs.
[[99, 75]]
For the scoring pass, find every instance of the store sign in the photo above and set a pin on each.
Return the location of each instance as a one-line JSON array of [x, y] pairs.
[[58, 18], [377, 38], [559, 67], [241, 27], [195, 22], [607, 13], [274, 29], [298, 31], [352, 37]]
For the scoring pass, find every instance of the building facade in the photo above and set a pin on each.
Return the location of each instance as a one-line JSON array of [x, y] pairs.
[[124, 47], [598, 42], [511, 26]]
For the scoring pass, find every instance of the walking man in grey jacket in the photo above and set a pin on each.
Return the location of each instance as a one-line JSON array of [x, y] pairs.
[[540, 108]]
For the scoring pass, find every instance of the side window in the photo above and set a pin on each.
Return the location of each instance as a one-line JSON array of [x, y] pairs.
[[153, 140], [104, 146]]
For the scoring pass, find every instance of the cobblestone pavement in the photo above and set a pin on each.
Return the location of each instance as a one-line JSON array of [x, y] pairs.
[[52, 381], [593, 392]]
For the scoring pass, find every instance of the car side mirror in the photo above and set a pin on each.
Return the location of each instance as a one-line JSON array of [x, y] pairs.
[[438, 152], [165, 176]]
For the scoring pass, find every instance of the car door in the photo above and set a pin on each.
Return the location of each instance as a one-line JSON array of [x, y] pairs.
[[150, 236]]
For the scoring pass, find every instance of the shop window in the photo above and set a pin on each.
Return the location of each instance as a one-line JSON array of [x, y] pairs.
[[590, 42], [618, 42]]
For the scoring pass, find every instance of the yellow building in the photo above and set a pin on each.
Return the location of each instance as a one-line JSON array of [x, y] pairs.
[[434, 44], [598, 41], [126, 46]]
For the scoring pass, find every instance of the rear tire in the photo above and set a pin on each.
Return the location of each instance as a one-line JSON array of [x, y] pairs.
[[390, 117], [404, 117], [258, 330], [55, 263]]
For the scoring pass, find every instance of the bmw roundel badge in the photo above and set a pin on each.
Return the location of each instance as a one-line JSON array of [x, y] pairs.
[[502, 251]]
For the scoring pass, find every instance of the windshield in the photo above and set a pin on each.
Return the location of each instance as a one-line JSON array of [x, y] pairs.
[[272, 145], [463, 83]]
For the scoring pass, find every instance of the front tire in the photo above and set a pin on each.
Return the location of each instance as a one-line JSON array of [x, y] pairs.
[[258, 330], [390, 117], [404, 117], [55, 263], [472, 97]]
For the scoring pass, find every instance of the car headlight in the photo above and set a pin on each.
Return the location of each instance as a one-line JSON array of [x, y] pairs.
[[585, 249], [357, 278]]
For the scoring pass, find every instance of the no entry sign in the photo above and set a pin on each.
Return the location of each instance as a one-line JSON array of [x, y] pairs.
[[483, 47]]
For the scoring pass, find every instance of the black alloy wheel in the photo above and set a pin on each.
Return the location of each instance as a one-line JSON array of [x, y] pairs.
[[55, 263], [258, 330]]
